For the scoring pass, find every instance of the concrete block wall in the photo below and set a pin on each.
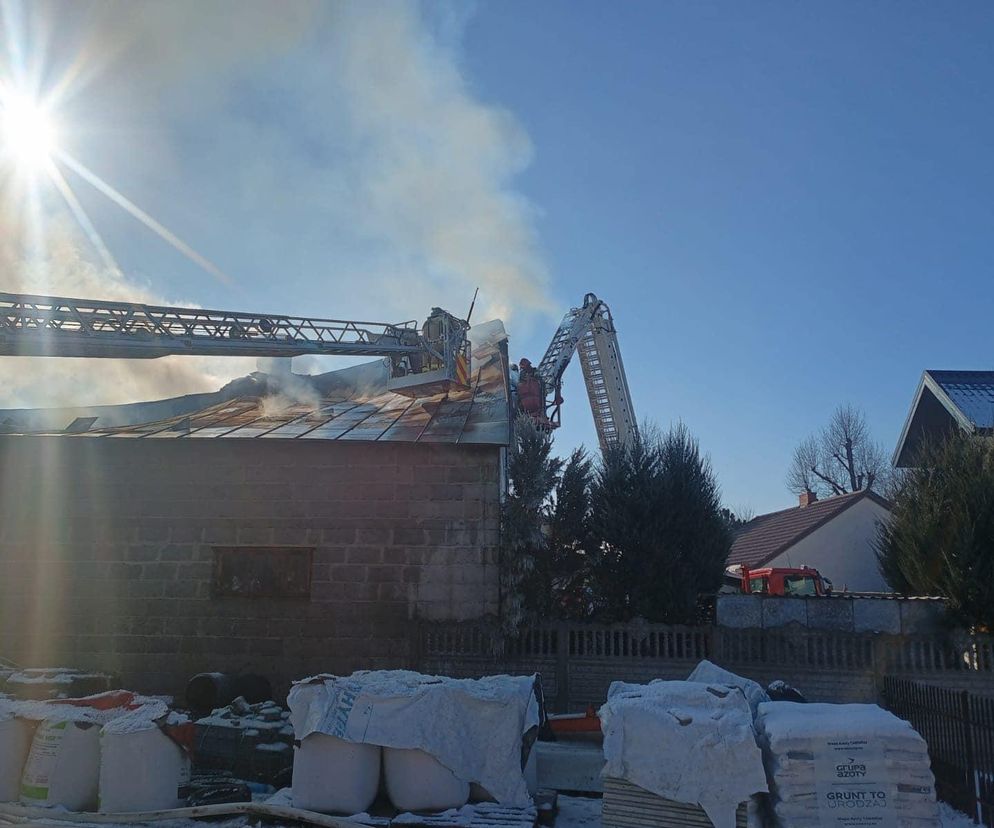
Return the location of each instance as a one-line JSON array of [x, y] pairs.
[[107, 549], [840, 613]]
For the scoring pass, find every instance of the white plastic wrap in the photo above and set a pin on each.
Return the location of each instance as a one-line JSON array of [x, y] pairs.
[[713, 674], [473, 727], [686, 741]]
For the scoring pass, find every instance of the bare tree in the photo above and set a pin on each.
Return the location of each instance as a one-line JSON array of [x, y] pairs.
[[841, 458]]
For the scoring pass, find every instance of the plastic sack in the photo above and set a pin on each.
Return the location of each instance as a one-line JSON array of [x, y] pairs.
[[417, 781], [15, 744], [63, 767], [335, 776], [141, 770]]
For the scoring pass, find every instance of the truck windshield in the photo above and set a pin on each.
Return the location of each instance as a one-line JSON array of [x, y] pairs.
[[799, 585]]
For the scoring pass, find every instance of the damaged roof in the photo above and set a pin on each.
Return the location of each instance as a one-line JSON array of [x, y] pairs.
[[351, 404]]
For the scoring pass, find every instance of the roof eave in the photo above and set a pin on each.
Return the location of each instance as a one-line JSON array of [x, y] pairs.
[[928, 381]]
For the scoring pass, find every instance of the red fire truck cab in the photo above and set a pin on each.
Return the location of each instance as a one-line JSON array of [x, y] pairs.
[[802, 581]]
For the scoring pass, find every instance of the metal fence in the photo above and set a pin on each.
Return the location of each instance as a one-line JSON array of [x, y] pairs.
[[959, 729]]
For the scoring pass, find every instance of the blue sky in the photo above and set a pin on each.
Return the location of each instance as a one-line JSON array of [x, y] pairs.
[[786, 206]]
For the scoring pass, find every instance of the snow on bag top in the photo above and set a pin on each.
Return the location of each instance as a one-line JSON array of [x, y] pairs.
[[472, 726], [791, 726], [713, 674], [687, 741]]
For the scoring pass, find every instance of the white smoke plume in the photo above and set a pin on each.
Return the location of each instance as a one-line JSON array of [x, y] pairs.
[[340, 148], [29, 382]]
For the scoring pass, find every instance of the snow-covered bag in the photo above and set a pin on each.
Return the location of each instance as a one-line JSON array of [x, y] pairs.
[[142, 768], [331, 775], [473, 727], [713, 674], [15, 744], [687, 741], [831, 764]]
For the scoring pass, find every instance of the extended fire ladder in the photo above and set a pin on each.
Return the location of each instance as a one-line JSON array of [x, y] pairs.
[[423, 361], [590, 330]]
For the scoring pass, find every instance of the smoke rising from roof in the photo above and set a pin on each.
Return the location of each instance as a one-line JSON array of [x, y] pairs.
[[336, 145]]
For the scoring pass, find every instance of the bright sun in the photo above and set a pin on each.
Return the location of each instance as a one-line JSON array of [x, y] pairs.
[[27, 133]]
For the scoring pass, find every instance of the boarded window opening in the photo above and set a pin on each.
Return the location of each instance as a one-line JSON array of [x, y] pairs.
[[262, 572]]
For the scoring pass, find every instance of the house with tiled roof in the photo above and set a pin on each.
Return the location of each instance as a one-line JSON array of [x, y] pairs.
[[835, 536], [946, 401]]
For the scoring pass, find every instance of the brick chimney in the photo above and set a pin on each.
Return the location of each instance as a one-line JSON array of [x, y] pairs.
[[807, 498]]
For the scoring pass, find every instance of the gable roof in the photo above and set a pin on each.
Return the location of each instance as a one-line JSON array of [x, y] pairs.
[[350, 404], [944, 401], [766, 536]]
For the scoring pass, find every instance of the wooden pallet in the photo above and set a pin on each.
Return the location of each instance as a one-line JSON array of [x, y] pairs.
[[629, 806], [481, 815]]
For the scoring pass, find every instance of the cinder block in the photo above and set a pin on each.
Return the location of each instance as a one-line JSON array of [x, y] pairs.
[[408, 536], [329, 555], [348, 573], [922, 617], [872, 615], [384, 574], [829, 613], [159, 571], [778, 612], [173, 552], [338, 536], [364, 555], [377, 535], [740, 611]]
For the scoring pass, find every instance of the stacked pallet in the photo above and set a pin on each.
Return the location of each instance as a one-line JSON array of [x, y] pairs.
[[689, 747], [629, 806], [845, 764]]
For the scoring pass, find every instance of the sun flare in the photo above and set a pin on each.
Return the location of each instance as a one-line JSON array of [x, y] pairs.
[[27, 133]]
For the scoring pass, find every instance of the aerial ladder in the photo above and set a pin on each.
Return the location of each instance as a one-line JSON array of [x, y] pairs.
[[588, 330], [424, 361]]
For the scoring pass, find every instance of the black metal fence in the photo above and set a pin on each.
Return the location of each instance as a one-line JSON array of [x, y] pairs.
[[959, 729]]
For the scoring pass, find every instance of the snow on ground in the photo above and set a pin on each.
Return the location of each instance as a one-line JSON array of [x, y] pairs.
[[574, 812], [579, 812], [951, 818]]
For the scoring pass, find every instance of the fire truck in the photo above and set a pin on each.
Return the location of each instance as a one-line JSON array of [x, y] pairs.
[[802, 581]]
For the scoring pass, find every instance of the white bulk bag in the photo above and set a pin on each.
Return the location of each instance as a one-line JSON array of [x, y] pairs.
[[140, 769], [15, 744], [63, 767], [417, 781], [332, 775]]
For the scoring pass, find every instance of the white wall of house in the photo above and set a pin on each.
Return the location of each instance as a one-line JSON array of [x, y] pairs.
[[842, 549]]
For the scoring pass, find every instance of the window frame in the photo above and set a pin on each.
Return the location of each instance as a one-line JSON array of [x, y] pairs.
[[294, 585]]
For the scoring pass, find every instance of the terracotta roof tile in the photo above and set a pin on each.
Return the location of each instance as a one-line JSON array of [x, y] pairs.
[[766, 536]]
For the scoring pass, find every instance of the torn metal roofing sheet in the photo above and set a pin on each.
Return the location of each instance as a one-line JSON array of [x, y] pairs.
[[352, 404]]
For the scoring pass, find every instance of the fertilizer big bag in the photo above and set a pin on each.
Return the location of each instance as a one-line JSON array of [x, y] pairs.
[[335, 776], [63, 767], [15, 744], [144, 763]]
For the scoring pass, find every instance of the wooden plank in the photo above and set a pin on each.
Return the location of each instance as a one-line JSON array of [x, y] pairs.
[[629, 806]]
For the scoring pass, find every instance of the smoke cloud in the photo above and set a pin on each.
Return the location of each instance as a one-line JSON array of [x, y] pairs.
[[332, 157], [29, 382]]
